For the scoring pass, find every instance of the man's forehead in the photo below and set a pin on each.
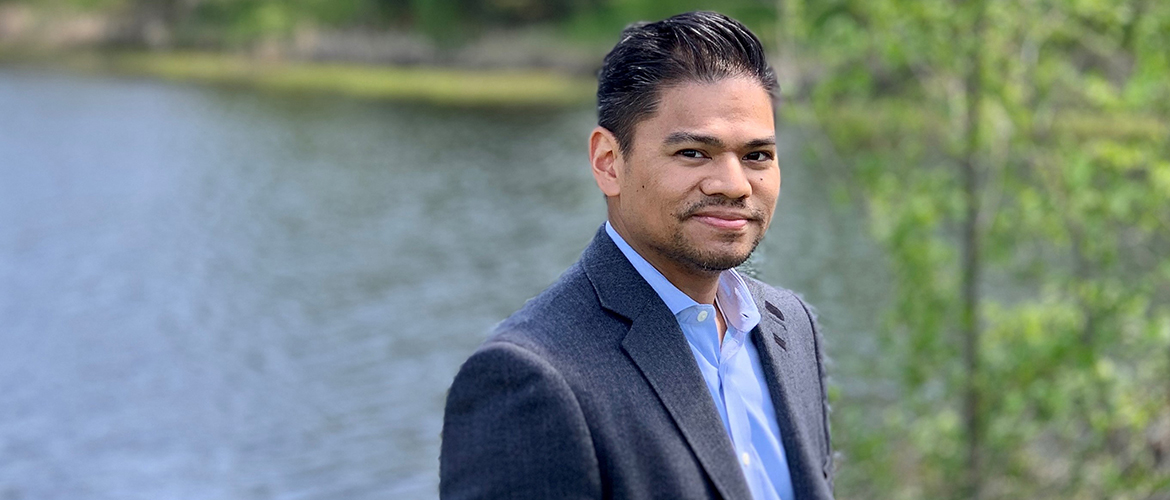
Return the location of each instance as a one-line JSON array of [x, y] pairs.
[[734, 111], [728, 97]]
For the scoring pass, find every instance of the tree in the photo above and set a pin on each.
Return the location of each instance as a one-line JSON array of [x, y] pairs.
[[1010, 156]]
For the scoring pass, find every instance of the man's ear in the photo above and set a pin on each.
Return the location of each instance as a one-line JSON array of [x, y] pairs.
[[606, 160]]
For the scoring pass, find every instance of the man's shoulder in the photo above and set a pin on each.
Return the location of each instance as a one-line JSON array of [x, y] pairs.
[[564, 316]]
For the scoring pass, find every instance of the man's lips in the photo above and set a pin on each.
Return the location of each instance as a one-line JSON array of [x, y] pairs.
[[723, 219]]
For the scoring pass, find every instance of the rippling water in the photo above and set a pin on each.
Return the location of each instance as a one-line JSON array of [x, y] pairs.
[[210, 293]]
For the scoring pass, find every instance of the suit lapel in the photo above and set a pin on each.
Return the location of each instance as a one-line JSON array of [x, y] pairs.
[[772, 343], [656, 344]]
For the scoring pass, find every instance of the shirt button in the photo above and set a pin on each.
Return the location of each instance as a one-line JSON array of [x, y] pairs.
[[746, 459], [702, 315]]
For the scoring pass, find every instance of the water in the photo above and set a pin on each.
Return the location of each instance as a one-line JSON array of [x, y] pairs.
[[215, 293]]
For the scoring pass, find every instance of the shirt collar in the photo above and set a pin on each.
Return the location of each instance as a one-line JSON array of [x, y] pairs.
[[735, 300]]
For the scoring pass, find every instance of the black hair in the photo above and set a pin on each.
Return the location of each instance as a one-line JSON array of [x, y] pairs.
[[694, 46]]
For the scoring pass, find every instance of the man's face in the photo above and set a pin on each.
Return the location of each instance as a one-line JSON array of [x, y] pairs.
[[699, 185]]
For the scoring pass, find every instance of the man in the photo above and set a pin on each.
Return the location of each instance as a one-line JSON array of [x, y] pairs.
[[651, 369]]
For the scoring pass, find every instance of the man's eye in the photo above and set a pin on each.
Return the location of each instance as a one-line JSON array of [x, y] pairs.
[[691, 153], [758, 156]]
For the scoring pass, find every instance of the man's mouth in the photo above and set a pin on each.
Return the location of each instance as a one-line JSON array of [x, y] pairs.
[[724, 218]]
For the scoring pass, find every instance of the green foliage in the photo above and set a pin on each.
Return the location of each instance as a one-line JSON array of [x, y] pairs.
[[447, 22], [74, 5], [238, 22], [1074, 219]]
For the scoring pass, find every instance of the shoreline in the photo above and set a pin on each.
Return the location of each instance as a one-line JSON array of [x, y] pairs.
[[444, 86], [464, 87]]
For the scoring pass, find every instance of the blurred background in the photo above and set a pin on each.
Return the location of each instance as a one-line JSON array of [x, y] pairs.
[[245, 244]]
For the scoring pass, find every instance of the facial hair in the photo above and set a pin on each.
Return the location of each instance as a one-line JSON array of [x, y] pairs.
[[683, 251]]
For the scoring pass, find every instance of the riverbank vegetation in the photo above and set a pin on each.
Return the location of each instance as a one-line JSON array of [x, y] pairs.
[[1012, 158], [445, 86]]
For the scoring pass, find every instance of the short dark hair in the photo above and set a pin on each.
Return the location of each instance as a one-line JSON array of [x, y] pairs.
[[694, 46]]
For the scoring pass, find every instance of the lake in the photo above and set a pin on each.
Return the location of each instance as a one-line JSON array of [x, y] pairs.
[[216, 293]]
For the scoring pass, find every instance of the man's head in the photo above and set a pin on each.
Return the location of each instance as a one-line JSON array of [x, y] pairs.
[[685, 148], [695, 46]]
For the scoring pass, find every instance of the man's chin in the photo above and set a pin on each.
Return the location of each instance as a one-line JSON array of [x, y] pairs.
[[706, 252], [726, 262], [718, 260]]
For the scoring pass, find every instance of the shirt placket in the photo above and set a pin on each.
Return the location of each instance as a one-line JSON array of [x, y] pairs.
[[737, 417]]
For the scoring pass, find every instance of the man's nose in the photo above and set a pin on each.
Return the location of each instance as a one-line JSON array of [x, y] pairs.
[[727, 177]]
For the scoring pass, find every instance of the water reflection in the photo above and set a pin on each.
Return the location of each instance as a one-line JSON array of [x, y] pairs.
[[210, 293]]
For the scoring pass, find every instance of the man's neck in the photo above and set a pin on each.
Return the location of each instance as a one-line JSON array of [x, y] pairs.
[[698, 285], [701, 286], [720, 323]]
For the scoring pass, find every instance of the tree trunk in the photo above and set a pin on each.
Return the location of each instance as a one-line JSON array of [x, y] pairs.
[[971, 259]]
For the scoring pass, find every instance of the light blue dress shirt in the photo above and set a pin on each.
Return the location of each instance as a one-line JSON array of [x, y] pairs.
[[732, 372]]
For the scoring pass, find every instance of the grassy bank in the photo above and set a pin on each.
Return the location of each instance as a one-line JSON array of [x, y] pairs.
[[443, 86]]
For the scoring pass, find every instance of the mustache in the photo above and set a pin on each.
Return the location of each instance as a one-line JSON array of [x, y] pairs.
[[722, 202]]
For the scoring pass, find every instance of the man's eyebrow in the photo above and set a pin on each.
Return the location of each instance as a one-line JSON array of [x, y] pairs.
[[681, 137], [760, 143]]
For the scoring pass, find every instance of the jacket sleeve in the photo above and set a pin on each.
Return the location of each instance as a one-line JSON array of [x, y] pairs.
[[513, 429]]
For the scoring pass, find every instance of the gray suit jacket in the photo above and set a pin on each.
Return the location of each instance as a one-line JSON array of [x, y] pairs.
[[591, 391]]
